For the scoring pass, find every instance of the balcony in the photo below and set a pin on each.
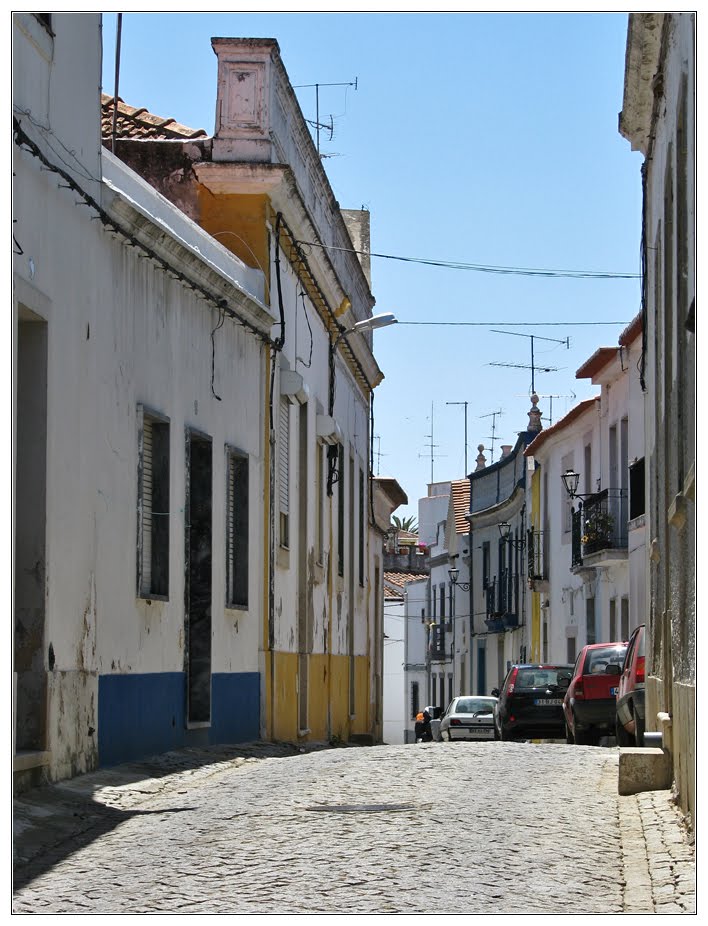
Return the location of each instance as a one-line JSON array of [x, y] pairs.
[[502, 602], [599, 528], [436, 643], [536, 560]]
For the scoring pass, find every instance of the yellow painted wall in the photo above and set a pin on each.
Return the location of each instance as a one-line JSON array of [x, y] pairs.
[[360, 723], [318, 697], [239, 223], [339, 694], [285, 703]]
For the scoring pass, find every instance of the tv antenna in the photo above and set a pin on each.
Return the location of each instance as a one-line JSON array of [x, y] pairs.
[[522, 366], [378, 454], [550, 410], [432, 445], [316, 123], [493, 416], [465, 404]]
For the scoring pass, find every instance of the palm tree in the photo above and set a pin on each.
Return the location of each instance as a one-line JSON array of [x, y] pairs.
[[406, 524]]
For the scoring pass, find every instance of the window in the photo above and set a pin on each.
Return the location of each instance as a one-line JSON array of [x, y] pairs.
[[485, 564], [442, 602], [613, 619], [153, 505], [236, 529], [284, 472], [415, 699], [636, 489]]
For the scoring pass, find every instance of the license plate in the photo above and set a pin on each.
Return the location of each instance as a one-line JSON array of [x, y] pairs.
[[482, 734], [613, 692], [548, 701]]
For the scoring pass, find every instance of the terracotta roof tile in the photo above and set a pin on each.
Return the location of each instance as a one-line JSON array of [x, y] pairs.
[[138, 123], [399, 579], [460, 491]]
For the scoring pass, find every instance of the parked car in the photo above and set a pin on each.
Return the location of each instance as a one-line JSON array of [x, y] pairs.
[[469, 718], [630, 716], [531, 702], [435, 715], [590, 703]]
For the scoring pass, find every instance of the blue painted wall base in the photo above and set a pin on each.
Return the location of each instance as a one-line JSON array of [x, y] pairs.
[[144, 715]]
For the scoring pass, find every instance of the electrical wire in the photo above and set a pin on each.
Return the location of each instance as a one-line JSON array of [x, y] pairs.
[[486, 268], [514, 324]]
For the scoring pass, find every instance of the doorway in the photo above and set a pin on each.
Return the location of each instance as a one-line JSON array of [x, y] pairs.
[[198, 556]]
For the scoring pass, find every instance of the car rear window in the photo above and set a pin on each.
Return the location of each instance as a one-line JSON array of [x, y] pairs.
[[542, 678], [597, 660], [472, 705]]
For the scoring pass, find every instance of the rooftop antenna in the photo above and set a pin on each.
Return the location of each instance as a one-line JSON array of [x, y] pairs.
[[533, 366], [317, 125], [552, 397], [465, 404], [432, 444], [377, 437], [493, 416]]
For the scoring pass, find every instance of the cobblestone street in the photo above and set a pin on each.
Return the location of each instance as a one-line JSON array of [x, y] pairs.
[[444, 828]]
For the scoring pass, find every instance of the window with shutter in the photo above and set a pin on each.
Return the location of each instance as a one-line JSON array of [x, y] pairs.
[[284, 472], [153, 505]]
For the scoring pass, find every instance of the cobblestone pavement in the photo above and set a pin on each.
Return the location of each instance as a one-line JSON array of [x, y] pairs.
[[435, 827]]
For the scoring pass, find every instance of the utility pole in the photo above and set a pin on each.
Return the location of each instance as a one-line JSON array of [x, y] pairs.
[[465, 404]]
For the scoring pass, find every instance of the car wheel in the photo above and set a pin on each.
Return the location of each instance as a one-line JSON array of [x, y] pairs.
[[582, 737], [638, 728], [623, 738], [569, 738], [505, 736]]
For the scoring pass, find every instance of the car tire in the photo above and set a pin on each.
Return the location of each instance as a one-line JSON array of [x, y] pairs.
[[505, 737], [638, 728], [582, 737], [623, 738], [569, 738]]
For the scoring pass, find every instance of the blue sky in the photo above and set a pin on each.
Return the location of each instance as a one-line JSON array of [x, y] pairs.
[[476, 138]]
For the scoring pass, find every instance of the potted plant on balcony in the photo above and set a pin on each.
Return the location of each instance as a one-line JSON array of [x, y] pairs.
[[597, 529]]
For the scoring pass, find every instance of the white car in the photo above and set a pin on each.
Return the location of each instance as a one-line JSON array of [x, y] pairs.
[[469, 718]]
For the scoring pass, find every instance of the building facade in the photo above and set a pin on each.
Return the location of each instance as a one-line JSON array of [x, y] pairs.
[[658, 118], [137, 582]]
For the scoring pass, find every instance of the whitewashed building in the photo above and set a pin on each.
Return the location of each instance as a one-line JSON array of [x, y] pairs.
[[138, 462], [658, 118]]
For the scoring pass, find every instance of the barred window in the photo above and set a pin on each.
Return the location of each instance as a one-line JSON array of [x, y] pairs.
[[237, 529]]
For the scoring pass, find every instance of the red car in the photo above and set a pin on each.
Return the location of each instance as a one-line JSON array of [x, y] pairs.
[[590, 704], [630, 694]]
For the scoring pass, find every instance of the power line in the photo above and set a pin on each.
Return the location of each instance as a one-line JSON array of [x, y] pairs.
[[515, 324], [486, 268]]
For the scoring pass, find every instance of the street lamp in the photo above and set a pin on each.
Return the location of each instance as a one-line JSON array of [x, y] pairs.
[[505, 534], [570, 481], [454, 573], [366, 324]]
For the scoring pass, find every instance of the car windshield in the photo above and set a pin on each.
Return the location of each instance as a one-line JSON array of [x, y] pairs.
[[597, 660], [541, 678], [473, 706]]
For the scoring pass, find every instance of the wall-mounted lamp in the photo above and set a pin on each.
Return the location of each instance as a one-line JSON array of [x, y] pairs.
[[505, 534], [454, 573], [570, 481]]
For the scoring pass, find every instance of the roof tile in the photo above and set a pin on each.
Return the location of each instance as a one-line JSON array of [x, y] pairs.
[[137, 123]]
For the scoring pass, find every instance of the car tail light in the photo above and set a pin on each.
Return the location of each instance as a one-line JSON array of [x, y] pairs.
[[640, 668], [579, 690], [455, 722], [512, 680]]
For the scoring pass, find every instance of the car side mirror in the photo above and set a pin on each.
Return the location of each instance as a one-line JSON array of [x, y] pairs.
[[613, 668], [495, 692]]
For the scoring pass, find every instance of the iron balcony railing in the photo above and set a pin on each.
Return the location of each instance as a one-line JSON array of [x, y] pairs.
[[536, 560], [600, 523], [503, 602], [437, 642]]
